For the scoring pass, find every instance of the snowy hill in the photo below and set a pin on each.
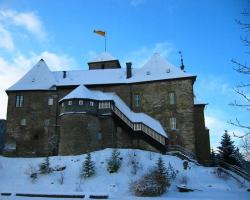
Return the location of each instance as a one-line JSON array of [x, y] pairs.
[[14, 178]]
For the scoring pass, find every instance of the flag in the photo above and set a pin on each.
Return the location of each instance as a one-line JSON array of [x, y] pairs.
[[101, 33]]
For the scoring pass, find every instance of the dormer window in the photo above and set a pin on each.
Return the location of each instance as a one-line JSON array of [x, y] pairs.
[[69, 103], [148, 72], [168, 70], [19, 101]]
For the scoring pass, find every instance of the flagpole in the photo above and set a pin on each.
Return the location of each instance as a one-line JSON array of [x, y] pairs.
[[105, 43]]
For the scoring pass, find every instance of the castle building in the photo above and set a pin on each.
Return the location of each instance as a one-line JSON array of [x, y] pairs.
[[106, 106]]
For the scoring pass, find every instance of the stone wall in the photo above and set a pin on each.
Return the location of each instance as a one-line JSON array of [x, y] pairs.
[[33, 138], [201, 134], [43, 122], [155, 102]]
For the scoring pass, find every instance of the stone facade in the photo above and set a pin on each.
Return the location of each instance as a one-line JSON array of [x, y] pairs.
[[56, 129]]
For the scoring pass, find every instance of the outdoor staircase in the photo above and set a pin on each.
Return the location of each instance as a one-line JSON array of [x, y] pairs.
[[138, 126]]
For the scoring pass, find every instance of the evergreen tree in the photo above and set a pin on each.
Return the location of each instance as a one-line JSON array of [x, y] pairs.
[[239, 158], [114, 162], [88, 167], [227, 149], [212, 154], [161, 173], [44, 167]]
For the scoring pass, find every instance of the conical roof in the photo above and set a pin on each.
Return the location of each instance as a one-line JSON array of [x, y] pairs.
[[39, 77], [81, 92]]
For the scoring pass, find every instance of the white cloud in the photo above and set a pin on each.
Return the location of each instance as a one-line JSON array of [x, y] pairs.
[[28, 20], [12, 71], [6, 41]]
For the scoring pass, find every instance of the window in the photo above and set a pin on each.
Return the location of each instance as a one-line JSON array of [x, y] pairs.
[[99, 136], [137, 99], [172, 99], [137, 127], [23, 122], [173, 123], [80, 102], [91, 103], [50, 101], [19, 101], [103, 105], [69, 103], [63, 104]]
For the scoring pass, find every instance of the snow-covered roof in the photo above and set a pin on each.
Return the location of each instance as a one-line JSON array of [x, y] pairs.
[[104, 56], [40, 77], [197, 102], [81, 92], [157, 68]]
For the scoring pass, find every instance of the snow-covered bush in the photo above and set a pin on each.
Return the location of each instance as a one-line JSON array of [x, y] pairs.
[[185, 165], [114, 162], [31, 171], [171, 172], [153, 183], [61, 178], [220, 173], [184, 179], [134, 162], [44, 167], [88, 167]]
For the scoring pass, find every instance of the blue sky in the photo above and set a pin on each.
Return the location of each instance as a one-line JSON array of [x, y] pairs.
[[62, 33]]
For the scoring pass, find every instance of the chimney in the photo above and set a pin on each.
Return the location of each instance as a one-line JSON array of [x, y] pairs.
[[64, 74], [129, 69]]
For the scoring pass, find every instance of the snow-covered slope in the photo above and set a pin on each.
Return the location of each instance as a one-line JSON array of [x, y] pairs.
[[13, 178]]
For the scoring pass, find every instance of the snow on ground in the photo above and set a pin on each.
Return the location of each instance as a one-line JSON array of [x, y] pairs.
[[14, 179]]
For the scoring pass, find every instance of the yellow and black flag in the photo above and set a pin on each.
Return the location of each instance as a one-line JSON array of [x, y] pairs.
[[101, 33]]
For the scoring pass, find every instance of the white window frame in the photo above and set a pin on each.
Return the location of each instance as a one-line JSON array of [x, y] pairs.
[[19, 101], [137, 100], [91, 103], [23, 122], [50, 101], [172, 123], [62, 104], [69, 103], [103, 105], [80, 102], [172, 99], [137, 127]]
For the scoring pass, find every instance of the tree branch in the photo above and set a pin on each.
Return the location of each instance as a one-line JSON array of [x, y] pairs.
[[241, 68], [238, 124]]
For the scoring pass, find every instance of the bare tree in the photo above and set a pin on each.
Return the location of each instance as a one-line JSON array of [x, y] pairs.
[[245, 145], [242, 89]]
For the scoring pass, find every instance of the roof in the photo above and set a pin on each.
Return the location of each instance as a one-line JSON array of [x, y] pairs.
[[104, 56], [41, 78], [198, 103], [81, 92], [38, 77]]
